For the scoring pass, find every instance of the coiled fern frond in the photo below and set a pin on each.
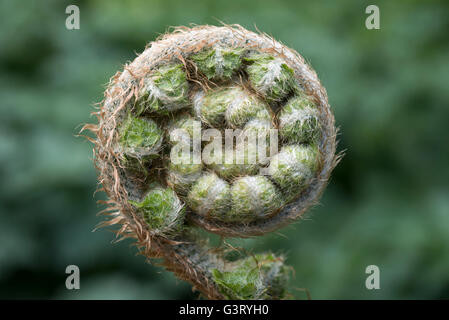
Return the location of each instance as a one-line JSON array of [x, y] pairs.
[[220, 78]]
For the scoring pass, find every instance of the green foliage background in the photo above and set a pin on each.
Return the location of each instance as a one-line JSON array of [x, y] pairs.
[[387, 203]]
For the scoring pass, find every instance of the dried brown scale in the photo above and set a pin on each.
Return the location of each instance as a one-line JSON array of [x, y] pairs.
[[123, 87]]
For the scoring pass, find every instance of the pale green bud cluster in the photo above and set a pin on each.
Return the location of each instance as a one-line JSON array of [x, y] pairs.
[[230, 169], [246, 199], [232, 106], [223, 190], [233, 190], [245, 157]]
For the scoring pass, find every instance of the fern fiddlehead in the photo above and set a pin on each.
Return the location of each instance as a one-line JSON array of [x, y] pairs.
[[217, 78]]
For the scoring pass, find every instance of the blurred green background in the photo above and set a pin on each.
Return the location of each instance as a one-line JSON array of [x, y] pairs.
[[387, 203]]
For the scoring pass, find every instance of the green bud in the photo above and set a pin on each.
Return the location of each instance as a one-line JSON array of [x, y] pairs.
[[253, 197], [161, 209], [294, 168], [299, 121], [165, 90], [210, 106], [210, 196], [262, 276], [270, 76], [219, 63], [140, 138]]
